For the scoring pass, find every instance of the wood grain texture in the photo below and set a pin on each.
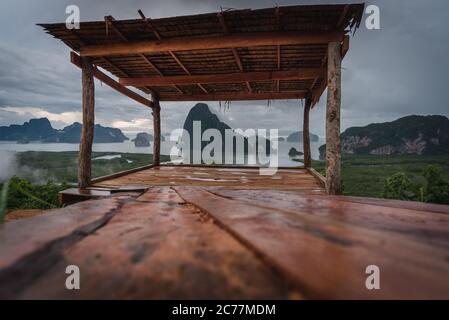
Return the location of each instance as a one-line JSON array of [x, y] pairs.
[[325, 251], [306, 134], [201, 232], [213, 42], [87, 131], [333, 144], [160, 247], [157, 132], [240, 178], [285, 39]]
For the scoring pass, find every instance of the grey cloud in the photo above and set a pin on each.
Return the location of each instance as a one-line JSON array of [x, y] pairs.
[[398, 70]]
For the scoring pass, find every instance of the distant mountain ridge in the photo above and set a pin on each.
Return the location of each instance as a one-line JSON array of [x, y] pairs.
[[421, 135], [143, 139], [298, 137], [41, 130]]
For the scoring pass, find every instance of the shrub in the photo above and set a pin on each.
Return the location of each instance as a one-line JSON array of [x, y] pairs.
[[24, 195], [399, 186], [436, 189]]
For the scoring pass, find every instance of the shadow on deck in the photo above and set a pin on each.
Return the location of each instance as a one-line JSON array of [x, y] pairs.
[[216, 233]]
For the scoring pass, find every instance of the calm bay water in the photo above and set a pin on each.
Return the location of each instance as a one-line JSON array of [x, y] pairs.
[[128, 147]]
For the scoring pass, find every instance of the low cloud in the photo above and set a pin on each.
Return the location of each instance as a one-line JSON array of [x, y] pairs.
[[65, 117], [8, 165], [133, 125]]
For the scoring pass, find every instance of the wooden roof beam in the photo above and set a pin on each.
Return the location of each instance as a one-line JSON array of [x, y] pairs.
[[234, 50], [183, 67], [75, 59], [301, 74], [150, 26], [110, 24], [235, 96], [278, 27], [319, 91], [212, 42], [343, 15], [153, 29]]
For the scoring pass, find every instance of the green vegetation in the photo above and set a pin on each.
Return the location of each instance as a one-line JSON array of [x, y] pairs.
[[24, 195], [41, 175], [3, 201], [62, 166], [365, 175], [435, 188]]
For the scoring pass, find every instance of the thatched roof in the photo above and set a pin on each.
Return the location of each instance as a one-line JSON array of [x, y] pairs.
[[268, 70]]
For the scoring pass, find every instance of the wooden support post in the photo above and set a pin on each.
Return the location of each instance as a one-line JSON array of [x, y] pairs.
[[333, 145], [306, 133], [87, 132], [156, 131]]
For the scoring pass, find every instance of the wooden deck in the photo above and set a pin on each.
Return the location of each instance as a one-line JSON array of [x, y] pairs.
[[227, 233], [201, 176]]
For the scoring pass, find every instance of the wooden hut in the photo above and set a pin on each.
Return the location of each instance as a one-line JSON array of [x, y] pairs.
[[290, 52]]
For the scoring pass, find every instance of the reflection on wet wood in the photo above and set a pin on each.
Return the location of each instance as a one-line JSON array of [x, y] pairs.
[[240, 178], [205, 233], [325, 246]]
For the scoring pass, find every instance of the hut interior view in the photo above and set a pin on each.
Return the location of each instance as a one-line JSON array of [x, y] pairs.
[[194, 231]]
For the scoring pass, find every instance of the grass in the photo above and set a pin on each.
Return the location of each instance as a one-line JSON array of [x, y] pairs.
[[365, 175]]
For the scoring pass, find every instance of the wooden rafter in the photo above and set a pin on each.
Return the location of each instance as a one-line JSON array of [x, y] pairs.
[[104, 59], [173, 55], [213, 42], [343, 15], [110, 24], [236, 96], [278, 27], [238, 61], [301, 74], [75, 59], [149, 26], [271, 39], [319, 91]]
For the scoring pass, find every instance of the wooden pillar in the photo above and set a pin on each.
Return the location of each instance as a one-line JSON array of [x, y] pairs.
[[306, 133], [157, 131], [333, 146], [87, 132]]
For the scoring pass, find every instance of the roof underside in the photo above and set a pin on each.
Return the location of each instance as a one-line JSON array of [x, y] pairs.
[[256, 63]]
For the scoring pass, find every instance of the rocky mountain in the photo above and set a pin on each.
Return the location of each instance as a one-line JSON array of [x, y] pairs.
[[297, 137], [421, 135], [41, 130], [143, 139], [201, 112], [35, 129]]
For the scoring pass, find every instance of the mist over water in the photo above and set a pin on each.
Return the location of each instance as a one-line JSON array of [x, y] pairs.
[[9, 165]]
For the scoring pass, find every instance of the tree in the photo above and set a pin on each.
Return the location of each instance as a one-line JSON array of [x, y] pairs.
[[399, 186], [436, 189]]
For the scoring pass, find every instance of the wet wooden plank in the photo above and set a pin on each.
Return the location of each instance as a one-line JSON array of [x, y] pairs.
[[412, 205], [241, 178], [327, 257], [20, 238], [417, 221], [160, 247]]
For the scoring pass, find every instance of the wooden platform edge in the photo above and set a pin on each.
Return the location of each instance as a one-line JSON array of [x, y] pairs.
[[321, 180], [224, 166], [121, 173]]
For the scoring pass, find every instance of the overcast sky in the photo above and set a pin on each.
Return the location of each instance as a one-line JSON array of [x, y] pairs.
[[398, 70]]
